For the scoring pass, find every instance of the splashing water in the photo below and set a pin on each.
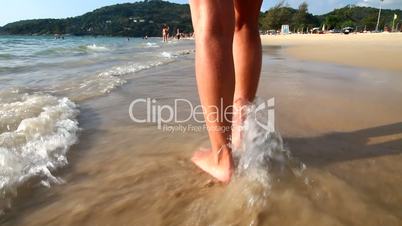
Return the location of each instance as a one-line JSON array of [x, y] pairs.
[[262, 158], [36, 141]]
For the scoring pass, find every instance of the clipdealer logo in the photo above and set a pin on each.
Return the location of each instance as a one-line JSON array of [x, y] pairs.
[[148, 110]]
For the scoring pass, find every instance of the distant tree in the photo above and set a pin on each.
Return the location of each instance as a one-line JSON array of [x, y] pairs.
[[369, 22], [282, 14], [348, 23], [332, 22], [278, 15], [300, 18]]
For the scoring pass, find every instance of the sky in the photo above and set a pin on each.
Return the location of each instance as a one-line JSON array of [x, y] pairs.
[[14, 10]]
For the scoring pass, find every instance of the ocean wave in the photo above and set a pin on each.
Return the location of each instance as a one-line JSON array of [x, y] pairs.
[[62, 51], [73, 50], [177, 53], [185, 52], [36, 132], [104, 82], [130, 68], [6, 56], [53, 51], [167, 55], [152, 45], [94, 47], [92, 86]]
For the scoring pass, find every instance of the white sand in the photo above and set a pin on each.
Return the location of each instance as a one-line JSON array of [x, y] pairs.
[[378, 51]]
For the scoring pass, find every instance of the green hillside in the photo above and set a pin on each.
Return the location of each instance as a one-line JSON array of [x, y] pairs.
[[359, 17], [354, 16], [130, 19]]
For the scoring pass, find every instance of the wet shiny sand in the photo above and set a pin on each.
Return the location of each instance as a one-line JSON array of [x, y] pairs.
[[343, 123]]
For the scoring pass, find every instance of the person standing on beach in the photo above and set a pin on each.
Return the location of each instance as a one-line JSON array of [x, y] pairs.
[[178, 34], [165, 33], [228, 66]]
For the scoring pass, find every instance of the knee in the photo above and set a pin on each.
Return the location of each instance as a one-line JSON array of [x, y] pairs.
[[246, 25], [209, 22], [214, 28]]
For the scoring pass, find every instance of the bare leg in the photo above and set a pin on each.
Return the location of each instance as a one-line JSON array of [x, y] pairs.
[[213, 21], [247, 60]]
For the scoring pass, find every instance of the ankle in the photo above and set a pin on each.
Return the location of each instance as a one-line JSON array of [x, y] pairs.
[[224, 154], [223, 148], [239, 110], [240, 102]]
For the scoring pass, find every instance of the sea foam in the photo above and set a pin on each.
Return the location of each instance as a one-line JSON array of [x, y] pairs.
[[152, 45], [36, 141], [95, 47]]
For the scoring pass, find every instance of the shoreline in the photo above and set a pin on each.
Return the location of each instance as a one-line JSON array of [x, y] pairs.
[[376, 51]]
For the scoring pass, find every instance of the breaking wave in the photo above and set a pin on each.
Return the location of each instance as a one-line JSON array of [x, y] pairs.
[[95, 47], [36, 131]]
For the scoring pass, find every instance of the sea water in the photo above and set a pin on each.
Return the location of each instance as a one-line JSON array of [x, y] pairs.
[[42, 81]]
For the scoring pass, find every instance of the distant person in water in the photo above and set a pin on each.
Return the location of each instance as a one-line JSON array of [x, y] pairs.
[[165, 32], [228, 66]]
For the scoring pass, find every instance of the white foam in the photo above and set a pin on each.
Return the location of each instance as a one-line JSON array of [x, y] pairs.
[[97, 85], [93, 85], [167, 55], [105, 82], [152, 45], [38, 145], [132, 68], [170, 55], [94, 47]]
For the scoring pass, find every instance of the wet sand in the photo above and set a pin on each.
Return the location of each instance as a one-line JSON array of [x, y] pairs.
[[344, 123]]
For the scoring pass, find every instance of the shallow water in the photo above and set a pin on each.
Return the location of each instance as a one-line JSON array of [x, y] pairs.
[[43, 79], [339, 163], [80, 67]]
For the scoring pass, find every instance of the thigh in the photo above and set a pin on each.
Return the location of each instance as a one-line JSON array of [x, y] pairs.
[[212, 15], [247, 11]]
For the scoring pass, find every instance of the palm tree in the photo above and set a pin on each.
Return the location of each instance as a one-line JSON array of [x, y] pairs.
[[379, 15]]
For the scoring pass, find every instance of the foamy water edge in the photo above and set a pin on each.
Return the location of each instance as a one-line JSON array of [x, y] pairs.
[[38, 145]]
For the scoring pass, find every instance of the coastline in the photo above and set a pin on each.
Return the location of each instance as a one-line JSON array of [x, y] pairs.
[[377, 51]]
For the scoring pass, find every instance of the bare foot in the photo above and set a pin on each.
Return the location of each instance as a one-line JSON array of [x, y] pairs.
[[219, 165]]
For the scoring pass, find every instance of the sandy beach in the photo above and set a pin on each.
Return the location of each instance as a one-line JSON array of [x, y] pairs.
[[338, 109], [377, 51]]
